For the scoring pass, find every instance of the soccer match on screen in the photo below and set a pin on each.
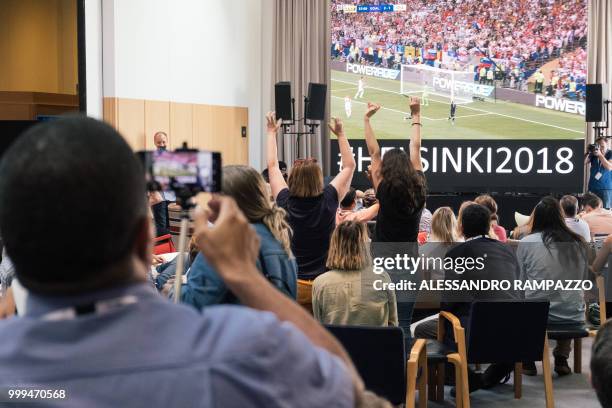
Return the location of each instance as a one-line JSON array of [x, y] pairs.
[[483, 69]]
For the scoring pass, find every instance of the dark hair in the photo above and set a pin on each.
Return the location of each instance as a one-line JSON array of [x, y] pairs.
[[569, 205], [601, 364], [401, 181], [548, 220], [349, 198], [475, 220], [72, 197], [591, 200]]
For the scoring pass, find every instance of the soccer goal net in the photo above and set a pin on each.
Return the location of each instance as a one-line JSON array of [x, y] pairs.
[[453, 85]]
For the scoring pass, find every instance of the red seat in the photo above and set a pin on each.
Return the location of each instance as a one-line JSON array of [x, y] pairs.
[[163, 245]]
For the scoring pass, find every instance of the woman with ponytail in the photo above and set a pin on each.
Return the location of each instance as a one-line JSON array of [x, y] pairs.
[[245, 185]]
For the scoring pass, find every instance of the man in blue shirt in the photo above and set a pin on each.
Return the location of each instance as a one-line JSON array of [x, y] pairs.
[[95, 334], [600, 179]]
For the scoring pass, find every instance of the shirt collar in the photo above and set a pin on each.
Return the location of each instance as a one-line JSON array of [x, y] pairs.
[[38, 305]]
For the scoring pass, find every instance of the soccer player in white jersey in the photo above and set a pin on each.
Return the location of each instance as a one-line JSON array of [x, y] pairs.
[[348, 106], [425, 96], [360, 88]]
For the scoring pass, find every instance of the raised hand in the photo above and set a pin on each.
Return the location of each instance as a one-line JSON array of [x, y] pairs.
[[415, 106], [336, 127], [371, 109], [272, 124]]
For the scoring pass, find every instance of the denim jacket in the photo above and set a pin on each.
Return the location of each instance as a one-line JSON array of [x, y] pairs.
[[204, 286]]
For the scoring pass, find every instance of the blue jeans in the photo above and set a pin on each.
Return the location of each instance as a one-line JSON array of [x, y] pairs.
[[606, 197]]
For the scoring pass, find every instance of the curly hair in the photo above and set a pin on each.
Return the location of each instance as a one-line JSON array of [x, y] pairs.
[[400, 180]]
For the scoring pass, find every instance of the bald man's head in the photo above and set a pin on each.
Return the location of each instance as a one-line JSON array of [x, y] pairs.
[[160, 139]]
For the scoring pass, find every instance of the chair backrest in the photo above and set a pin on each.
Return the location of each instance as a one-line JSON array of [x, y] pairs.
[[379, 356], [174, 224], [163, 245], [506, 332]]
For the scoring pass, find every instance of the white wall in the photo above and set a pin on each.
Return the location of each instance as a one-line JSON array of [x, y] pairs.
[[192, 51], [93, 57]]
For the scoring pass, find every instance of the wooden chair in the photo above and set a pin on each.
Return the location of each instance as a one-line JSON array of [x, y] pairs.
[[438, 354], [601, 295], [498, 332], [577, 332], [379, 355], [511, 332]]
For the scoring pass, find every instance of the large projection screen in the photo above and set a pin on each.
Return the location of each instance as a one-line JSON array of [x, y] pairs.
[[515, 70]]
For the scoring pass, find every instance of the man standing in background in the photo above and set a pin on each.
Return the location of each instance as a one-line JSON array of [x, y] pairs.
[[159, 200], [160, 140], [600, 172]]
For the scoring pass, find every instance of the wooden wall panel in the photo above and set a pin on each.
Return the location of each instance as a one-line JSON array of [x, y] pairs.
[[181, 124], [131, 121], [202, 126], [156, 119], [227, 123], [206, 127]]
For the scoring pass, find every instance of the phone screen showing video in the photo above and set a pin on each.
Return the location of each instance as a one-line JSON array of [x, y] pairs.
[[198, 171]]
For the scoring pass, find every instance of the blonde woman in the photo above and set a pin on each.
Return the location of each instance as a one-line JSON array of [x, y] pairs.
[[346, 294], [443, 226], [247, 187], [443, 236]]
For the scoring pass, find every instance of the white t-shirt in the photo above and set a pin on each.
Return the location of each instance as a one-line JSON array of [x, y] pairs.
[[580, 227]]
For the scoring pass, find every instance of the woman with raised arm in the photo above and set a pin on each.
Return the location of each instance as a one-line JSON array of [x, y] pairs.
[[401, 191], [311, 207], [398, 180]]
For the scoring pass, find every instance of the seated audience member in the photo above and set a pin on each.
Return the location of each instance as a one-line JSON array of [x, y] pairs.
[[569, 206], [462, 207], [523, 226], [490, 204], [401, 190], [443, 237], [311, 206], [282, 167], [554, 252], [7, 273], [97, 330], [166, 271], [204, 287], [347, 212], [369, 198], [601, 364], [425, 221], [597, 267], [598, 218], [500, 264], [345, 294]]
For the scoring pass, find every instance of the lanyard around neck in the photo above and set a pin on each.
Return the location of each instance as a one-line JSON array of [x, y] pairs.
[[98, 308]]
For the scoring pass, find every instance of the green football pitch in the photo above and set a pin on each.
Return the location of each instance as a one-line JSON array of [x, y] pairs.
[[475, 120]]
